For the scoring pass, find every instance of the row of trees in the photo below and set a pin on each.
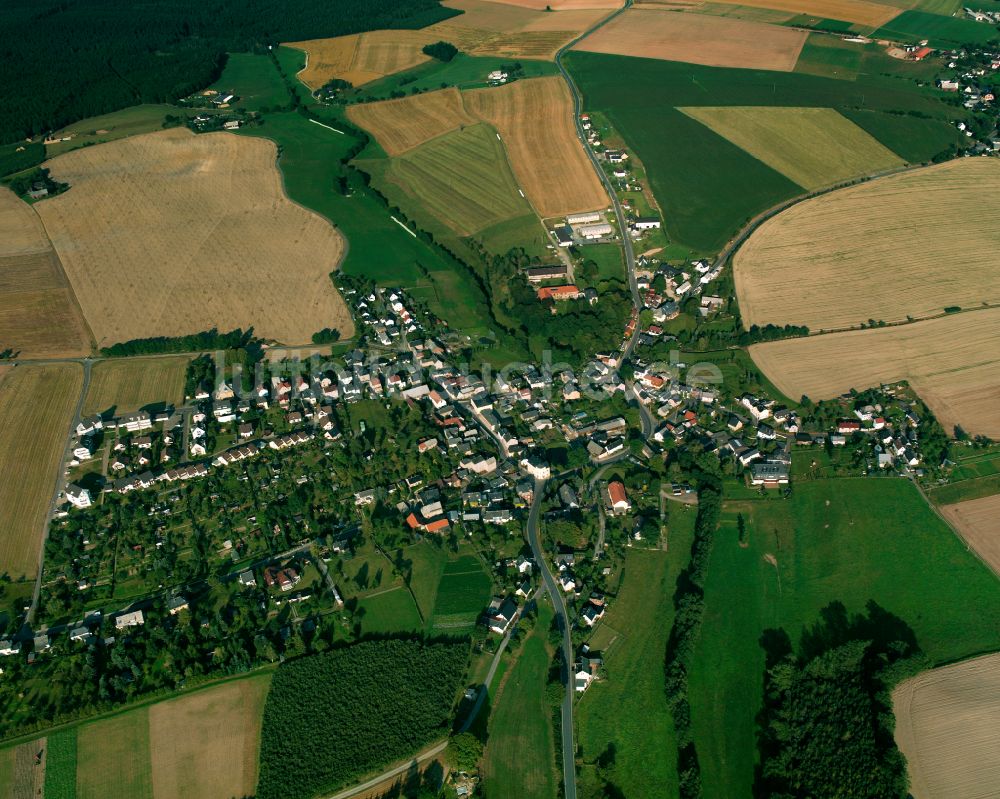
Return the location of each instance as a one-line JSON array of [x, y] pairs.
[[353, 710], [71, 59], [206, 340]]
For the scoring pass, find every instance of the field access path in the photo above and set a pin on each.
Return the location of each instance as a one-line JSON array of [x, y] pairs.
[[627, 346]]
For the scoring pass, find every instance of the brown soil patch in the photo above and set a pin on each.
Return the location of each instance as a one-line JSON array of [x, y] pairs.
[[36, 410], [564, 5], [952, 362], [28, 777], [978, 522], [39, 316], [946, 725], [535, 121], [400, 125], [909, 244], [170, 233], [697, 39], [205, 745]]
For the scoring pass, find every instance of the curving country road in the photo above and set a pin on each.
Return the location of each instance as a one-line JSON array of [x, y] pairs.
[[581, 134], [550, 584]]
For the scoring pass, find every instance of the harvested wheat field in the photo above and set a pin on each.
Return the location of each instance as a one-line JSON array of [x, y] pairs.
[[205, 745], [535, 120], [813, 147], [170, 233], [904, 245], [952, 362], [362, 57], [563, 5], [697, 39], [36, 412], [948, 727], [860, 12], [39, 316], [128, 384], [400, 125], [978, 522]]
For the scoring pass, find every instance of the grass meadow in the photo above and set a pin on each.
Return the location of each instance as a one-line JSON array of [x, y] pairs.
[[940, 31], [129, 384], [463, 593], [519, 759], [254, 80], [846, 540], [707, 186]]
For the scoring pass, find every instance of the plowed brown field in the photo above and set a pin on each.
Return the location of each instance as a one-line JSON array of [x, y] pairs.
[[170, 233]]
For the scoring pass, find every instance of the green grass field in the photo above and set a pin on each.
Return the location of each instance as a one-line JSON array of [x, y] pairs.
[[389, 611], [847, 540], [914, 139], [812, 147], [427, 565], [976, 475], [462, 178], [608, 258], [524, 231], [463, 593], [254, 80], [940, 31], [519, 759], [829, 57], [60, 765], [627, 712], [707, 187], [379, 248], [127, 122], [113, 758]]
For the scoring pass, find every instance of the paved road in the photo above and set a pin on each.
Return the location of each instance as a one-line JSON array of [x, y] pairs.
[[619, 213], [550, 584]]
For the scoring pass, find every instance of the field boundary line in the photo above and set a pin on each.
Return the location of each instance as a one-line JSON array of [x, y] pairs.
[[328, 127], [402, 226]]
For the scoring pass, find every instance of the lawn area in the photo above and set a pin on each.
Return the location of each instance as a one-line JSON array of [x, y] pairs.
[[463, 593], [255, 81], [829, 57], [940, 31], [114, 757], [380, 248], [626, 713], [519, 760], [524, 231], [128, 384], [706, 185], [389, 611], [60, 765], [608, 257], [427, 562], [847, 540]]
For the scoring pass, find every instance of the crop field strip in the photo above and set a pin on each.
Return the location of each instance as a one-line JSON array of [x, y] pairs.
[[535, 121], [946, 727], [128, 384], [462, 178], [400, 125], [978, 522], [211, 240], [952, 362], [861, 12], [36, 408], [697, 39], [39, 315], [814, 147], [113, 757], [935, 230]]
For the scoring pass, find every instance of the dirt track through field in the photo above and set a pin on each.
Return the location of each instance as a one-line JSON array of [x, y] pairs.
[[169, 233], [953, 363], [947, 722], [908, 244], [697, 39]]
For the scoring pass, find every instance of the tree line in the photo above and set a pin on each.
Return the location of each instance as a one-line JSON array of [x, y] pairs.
[[196, 342], [334, 716], [65, 60]]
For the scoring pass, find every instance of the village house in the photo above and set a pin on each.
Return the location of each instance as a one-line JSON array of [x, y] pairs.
[[617, 499]]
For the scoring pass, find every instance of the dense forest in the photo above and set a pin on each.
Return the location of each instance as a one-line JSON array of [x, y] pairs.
[[334, 716], [64, 60]]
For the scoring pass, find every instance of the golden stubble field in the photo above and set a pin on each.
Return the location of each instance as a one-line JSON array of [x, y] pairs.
[[402, 124], [952, 362], [39, 316], [697, 39], [908, 244], [860, 12], [36, 411], [978, 522], [128, 384], [170, 233], [206, 745], [485, 28], [535, 121], [948, 727]]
